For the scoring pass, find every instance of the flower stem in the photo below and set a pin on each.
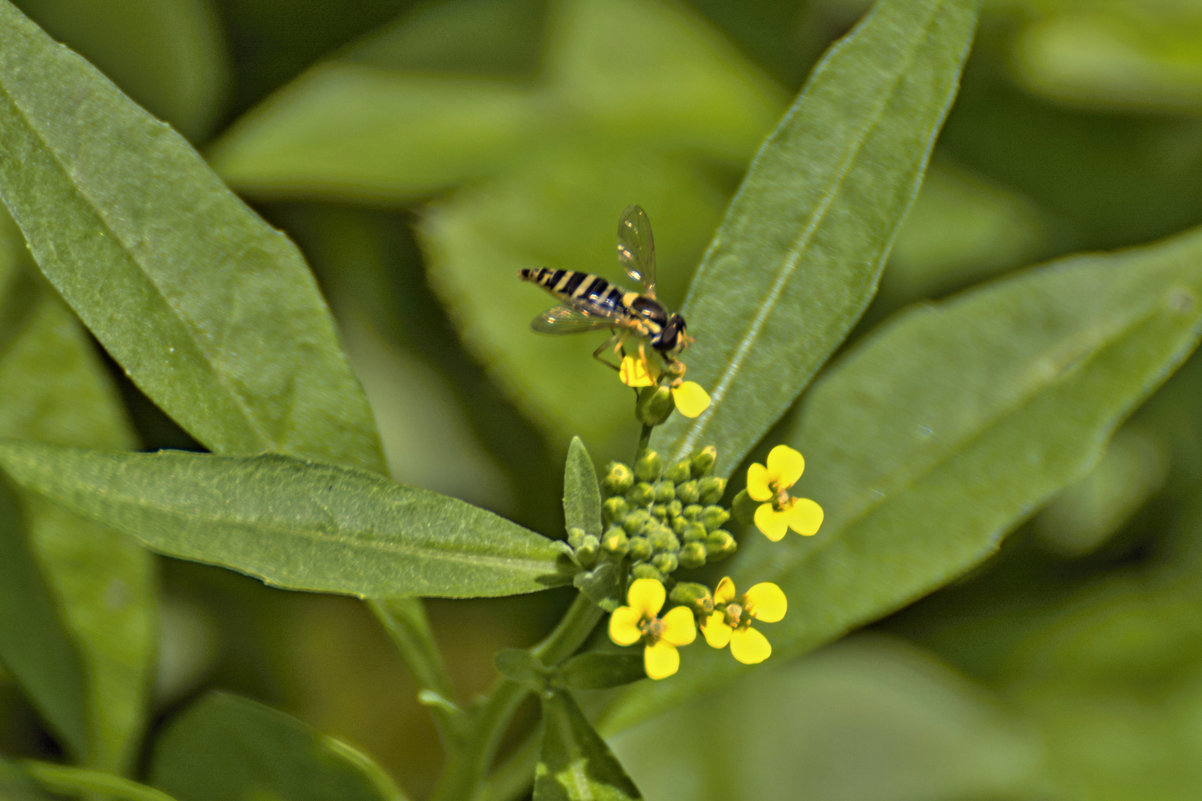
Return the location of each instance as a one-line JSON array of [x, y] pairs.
[[467, 765]]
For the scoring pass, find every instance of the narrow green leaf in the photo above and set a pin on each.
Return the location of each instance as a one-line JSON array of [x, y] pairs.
[[293, 523], [797, 259], [100, 582], [940, 433], [581, 495], [84, 783], [575, 764], [232, 748], [209, 310], [36, 646]]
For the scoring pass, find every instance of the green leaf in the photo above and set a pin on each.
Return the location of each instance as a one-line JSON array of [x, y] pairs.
[[210, 311], [581, 495], [100, 582], [949, 426], [797, 258], [295, 524], [575, 764], [16, 785], [521, 666], [598, 671], [85, 783], [36, 646], [228, 747]]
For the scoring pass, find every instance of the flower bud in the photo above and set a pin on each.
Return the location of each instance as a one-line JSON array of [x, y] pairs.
[[674, 508], [614, 509], [663, 539], [648, 571], [639, 548], [654, 405], [576, 537], [688, 492], [615, 541], [641, 494], [649, 466], [586, 554], [693, 595], [659, 511], [703, 461], [711, 488], [665, 491], [666, 563], [691, 512], [694, 532], [636, 521], [693, 555], [744, 507], [618, 478], [713, 517], [720, 544], [678, 471]]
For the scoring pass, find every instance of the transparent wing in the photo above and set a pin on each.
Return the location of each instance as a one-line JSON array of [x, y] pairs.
[[572, 320], [636, 247]]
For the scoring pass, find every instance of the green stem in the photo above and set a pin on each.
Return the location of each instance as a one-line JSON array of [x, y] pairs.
[[467, 765], [644, 441]]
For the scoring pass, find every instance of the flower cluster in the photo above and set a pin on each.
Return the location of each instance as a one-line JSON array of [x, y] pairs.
[[660, 518], [663, 518]]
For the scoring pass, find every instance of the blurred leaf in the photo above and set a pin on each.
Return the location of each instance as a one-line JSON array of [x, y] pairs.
[[15, 784], [168, 55], [354, 131], [35, 644], [212, 313], [865, 720], [83, 783], [598, 671], [1124, 56], [947, 427], [581, 495], [293, 523], [100, 582], [231, 748], [798, 255], [521, 666], [575, 764]]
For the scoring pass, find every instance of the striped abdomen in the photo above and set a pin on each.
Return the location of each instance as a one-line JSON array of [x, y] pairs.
[[579, 288]]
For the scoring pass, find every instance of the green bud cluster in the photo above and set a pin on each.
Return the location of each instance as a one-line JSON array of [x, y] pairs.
[[662, 516]]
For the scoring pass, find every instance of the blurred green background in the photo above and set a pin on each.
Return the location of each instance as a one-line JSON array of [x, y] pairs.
[[420, 153]]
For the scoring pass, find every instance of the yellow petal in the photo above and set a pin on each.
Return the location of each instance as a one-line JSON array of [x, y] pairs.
[[724, 593], [804, 516], [717, 633], [774, 524], [691, 399], [646, 596], [766, 601], [786, 464], [679, 626], [624, 626], [749, 646], [661, 660], [635, 372], [757, 483]]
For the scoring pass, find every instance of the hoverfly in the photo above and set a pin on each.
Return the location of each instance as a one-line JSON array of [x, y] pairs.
[[591, 303]]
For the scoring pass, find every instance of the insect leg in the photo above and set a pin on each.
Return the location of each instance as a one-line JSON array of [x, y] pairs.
[[616, 340]]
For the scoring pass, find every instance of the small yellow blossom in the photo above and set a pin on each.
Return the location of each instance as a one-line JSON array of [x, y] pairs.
[[639, 620], [730, 622], [690, 399], [770, 484]]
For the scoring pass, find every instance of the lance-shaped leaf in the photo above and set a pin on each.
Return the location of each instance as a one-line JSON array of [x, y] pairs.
[[575, 764], [209, 310], [293, 523], [224, 746], [797, 258], [581, 496], [940, 433], [73, 782]]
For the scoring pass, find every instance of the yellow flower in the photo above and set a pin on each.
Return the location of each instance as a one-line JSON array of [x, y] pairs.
[[779, 511], [690, 399], [730, 622], [639, 620]]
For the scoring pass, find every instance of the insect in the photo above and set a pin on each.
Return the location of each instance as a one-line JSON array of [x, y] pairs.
[[591, 303]]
